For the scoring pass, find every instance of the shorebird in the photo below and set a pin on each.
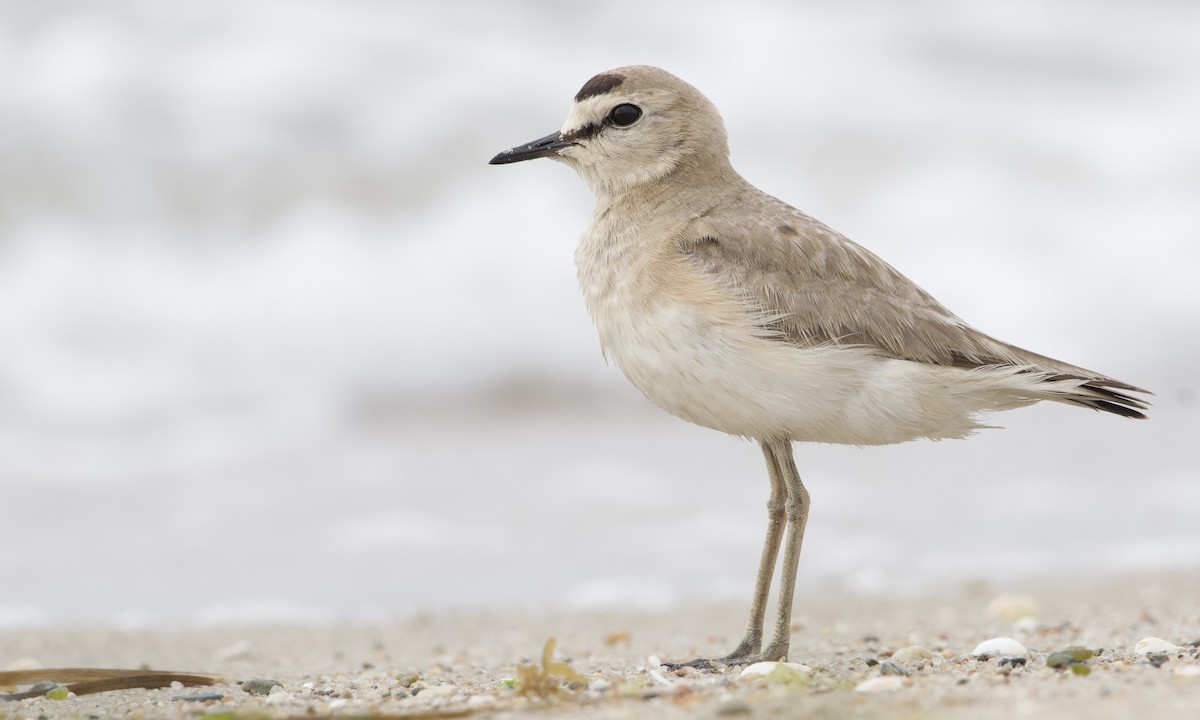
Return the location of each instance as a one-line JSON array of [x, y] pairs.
[[737, 312]]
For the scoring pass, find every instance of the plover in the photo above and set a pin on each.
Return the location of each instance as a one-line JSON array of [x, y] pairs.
[[737, 312]]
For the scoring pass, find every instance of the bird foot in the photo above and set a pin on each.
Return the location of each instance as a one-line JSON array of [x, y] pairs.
[[733, 659], [711, 663], [739, 657]]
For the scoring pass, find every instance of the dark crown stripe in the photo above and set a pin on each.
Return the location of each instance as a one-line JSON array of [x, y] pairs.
[[598, 85]]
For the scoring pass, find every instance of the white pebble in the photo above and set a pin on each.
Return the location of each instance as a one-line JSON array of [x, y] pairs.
[[25, 663], [1149, 645], [762, 669], [1187, 671], [912, 655], [1000, 647], [481, 702], [880, 683]]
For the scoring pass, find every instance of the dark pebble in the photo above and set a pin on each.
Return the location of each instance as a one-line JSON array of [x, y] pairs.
[[203, 697], [260, 686], [887, 667], [1157, 659], [872, 662]]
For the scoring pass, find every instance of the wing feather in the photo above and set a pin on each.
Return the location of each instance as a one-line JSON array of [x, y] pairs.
[[811, 286]]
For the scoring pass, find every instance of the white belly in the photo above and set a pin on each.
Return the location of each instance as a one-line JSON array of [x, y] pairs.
[[696, 353], [732, 381]]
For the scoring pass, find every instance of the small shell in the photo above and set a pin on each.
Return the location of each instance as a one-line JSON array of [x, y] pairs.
[[763, 669], [999, 647], [1149, 645], [912, 655]]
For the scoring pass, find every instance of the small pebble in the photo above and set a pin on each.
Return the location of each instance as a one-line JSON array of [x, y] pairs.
[[260, 686], [407, 680], [1187, 671], [202, 697], [435, 692], [912, 655], [887, 667], [999, 647], [880, 683], [1149, 645], [58, 693]]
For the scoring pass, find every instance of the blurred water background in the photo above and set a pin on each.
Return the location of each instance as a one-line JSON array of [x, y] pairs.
[[276, 344]]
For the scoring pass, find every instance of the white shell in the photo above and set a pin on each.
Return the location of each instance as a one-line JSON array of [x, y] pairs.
[[1149, 645], [762, 669], [880, 683], [1000, 647]]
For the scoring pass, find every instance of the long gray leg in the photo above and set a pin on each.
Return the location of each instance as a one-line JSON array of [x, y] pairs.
[[778, 506], [752, 642], [797, 517]]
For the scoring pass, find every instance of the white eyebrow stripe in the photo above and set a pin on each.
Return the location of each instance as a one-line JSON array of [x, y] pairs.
[[590, 111]]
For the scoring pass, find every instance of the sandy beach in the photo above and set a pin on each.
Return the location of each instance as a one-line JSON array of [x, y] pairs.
[[296, 388], [859, 658]]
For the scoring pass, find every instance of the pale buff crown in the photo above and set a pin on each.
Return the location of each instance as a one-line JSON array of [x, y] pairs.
[[678, 127]]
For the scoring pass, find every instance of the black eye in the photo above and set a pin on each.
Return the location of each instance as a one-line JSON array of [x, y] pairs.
[[624, 115]]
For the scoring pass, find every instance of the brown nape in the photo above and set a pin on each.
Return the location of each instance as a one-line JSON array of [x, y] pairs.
[[599, 85]]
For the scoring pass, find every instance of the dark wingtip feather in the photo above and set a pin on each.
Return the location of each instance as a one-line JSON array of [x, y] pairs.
[[1100, 396]]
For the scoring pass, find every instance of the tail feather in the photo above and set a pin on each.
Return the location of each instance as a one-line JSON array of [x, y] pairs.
[[1074, 385], [1098, 393]]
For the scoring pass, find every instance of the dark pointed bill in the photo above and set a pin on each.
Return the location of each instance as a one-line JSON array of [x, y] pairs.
[[548, 145]]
